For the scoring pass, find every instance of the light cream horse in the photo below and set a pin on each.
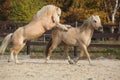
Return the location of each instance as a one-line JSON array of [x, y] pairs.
[[45, 19], [80, 37]]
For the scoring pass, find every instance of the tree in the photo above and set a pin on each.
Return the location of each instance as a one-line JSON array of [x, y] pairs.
[[79, 10], [4, 9], [24, 9], [115, 10], [72, 10], [111, 8]]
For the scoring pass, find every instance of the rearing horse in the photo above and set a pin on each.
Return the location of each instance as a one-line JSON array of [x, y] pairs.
[[80, 37], [45, 19]]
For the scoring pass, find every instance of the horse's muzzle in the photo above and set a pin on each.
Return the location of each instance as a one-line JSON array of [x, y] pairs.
[[100, 29]]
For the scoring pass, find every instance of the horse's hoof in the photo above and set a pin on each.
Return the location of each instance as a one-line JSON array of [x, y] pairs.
[[20, 63], [9, 61], [46, 62], [75, 61], [91, 64], [71, 62]]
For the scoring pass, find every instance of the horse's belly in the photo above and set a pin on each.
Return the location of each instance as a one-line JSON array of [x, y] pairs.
[[33, 30], [33, 34], [71, 42]]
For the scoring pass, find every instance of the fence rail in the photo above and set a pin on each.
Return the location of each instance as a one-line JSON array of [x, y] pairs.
[[116, 35]]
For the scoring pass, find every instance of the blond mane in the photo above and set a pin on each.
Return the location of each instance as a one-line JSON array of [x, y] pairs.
[[46, 10], [85, 24]]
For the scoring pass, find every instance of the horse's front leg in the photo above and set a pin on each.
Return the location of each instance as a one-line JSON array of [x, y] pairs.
[[86, 52], [78, 57], [67, 54]]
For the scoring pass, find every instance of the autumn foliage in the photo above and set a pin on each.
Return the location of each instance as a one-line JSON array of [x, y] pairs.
[[72, 10]]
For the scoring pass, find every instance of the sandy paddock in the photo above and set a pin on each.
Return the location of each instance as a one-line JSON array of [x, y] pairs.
[[35, 69]]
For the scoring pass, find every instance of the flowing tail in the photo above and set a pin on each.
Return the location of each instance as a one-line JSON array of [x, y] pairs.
[[5, 42], [47, 47]]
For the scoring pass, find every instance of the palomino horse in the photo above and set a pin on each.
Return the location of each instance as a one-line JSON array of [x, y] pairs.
[[80, 37], [45, 19]]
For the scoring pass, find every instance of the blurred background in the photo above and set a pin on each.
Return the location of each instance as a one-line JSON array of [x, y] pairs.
[[16, 13]]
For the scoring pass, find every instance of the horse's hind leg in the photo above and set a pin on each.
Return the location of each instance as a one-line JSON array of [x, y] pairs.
[[11, 56], [51, 49], [15, 50], [53, 43]]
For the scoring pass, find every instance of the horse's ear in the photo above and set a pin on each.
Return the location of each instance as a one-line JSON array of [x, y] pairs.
[[93, 16], [56, 15], [58, 11]]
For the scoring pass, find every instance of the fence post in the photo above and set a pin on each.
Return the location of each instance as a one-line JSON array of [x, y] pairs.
[[75, 47], [112, 29], [75, 51], [28, 47], [119, 31], [76, 24], [44, 37], [103, 39], [119, 27]]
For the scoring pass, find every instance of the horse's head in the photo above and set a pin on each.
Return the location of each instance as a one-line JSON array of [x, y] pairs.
[[56, 15], [96, 23], [50, 12], [49, 16]]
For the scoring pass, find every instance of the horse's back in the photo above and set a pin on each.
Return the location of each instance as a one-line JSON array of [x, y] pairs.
[[68, 37]]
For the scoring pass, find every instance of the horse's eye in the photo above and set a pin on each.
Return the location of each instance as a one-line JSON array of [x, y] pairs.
[[95, 21], [58, 14]]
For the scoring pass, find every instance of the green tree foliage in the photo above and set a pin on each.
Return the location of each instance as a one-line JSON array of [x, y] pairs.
[[72, 10], [20, 10], [24, 9], [4, 9]]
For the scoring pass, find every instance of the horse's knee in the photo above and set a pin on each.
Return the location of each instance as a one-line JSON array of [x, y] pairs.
[[81, 54], [52, 48], [11, 50]]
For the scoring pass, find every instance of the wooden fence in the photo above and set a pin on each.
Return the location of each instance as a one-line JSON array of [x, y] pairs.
[[8, 27]]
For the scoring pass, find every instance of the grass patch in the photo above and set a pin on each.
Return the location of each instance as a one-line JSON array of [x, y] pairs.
[[38, 51]]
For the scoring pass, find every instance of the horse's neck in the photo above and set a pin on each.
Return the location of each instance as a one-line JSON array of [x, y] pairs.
[[89, 32], [87, 29], [86, 34]]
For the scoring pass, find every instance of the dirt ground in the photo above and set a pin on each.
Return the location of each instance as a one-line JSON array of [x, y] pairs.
[[36, 69]]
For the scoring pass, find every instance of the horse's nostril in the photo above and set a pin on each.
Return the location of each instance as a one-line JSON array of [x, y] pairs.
[[100, 29]]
